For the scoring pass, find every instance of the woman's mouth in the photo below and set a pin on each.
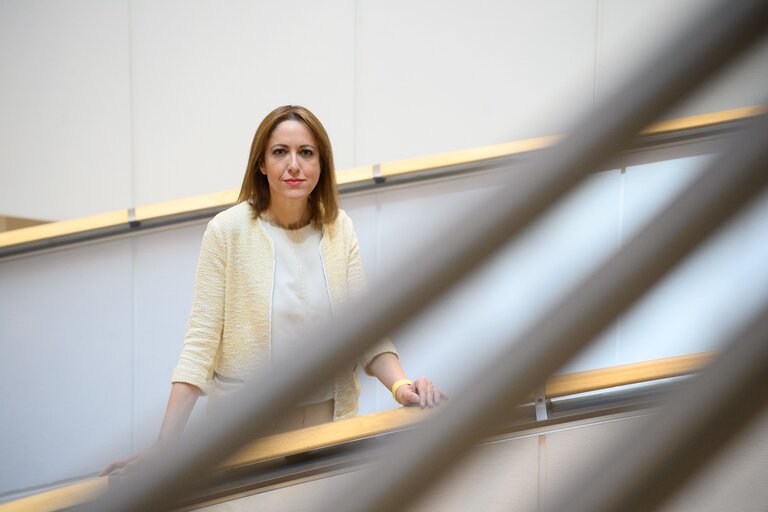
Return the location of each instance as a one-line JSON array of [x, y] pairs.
[[294, 182]]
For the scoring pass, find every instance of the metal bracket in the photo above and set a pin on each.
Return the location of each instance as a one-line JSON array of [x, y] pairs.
[[540, 404], [132, 221], [377, 177]]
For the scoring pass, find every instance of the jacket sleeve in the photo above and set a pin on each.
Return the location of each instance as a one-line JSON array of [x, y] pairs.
[[204, 329], [358, 286]]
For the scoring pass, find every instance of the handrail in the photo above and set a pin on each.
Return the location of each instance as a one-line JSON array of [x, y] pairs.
[[331, 434], [177, 210], [361, 427], [622, 375], [64, 228], [58, 498]]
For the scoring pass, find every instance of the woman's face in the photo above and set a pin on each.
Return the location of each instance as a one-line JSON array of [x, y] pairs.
[[291, 162]]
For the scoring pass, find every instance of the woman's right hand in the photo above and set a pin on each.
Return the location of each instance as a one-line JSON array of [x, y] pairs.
[[127, 464], [180, 404]]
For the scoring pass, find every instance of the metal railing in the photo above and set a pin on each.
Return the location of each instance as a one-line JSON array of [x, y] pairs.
[[422, 455]]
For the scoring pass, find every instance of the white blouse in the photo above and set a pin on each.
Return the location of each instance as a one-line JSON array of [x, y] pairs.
[[300, 299]]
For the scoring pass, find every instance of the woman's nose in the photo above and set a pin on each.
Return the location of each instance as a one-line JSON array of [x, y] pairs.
[[293, 162]]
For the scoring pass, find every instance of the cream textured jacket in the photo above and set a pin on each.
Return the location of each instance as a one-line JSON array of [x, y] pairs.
[[229, 327]]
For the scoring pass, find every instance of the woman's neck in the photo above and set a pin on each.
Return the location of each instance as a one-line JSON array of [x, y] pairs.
[[288, 216]]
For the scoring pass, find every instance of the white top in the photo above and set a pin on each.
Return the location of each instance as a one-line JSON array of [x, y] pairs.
[[300, 299]]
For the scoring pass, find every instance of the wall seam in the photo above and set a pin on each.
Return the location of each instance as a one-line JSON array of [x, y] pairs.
[[620, 244], [134, 366], [541, 476], [131, 165], [354, 82], [596, 56], [377, 269], [131, 114]]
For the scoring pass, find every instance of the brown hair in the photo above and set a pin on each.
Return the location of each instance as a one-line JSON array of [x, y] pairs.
[[324, 199]]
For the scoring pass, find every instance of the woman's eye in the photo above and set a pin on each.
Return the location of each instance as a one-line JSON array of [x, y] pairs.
[[278, 152], [307, 153]]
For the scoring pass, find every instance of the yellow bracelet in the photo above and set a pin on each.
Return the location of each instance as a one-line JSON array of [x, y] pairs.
[[397, 385]]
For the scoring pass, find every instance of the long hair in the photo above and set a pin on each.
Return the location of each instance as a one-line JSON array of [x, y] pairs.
[[324, 199]]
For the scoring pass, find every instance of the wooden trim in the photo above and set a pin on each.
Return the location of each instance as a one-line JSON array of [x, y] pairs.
[[63, 228], [605, 378], [466, 156], [354, 175], [55, 499], [702, 120], [186, 205], [328, 434], [361, 427]]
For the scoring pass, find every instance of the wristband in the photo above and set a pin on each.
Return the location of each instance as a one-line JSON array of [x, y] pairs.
[[397, 385]]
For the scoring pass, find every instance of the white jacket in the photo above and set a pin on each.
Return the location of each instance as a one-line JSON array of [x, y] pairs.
[[229, 327]]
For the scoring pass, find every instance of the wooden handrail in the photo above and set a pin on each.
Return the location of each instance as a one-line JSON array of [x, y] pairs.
[[361, 427], [622, 375], [55, 499], [346, 177], [64, 228], [474, 155]]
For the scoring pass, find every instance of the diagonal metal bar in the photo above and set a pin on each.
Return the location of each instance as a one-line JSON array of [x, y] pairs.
[[557, 335], [725, 31], [694, 423]]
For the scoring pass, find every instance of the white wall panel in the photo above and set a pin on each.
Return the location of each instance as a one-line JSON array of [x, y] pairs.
[[649, 188], [165, 263], [633, 32], [711, 293], [436, 76], [499, 476], [734, 480], [65, 103], [569, 455], [305, 495], [66, 346], [363, 210], [206, 73]]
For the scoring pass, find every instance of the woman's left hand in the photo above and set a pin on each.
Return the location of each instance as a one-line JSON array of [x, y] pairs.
[[422, 393]]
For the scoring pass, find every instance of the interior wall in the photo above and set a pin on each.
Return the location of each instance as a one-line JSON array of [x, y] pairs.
[[109, 104], [66, 112]]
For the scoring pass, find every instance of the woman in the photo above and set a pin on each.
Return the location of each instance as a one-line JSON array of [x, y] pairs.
[[270, 268]]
